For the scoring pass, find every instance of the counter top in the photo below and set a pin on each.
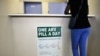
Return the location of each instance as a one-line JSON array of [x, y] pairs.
[[44, 15]]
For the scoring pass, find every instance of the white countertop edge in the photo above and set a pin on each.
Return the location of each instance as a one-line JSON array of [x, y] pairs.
[[32, 15]]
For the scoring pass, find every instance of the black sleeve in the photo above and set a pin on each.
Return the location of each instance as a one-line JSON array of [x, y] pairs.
[[69, 1]]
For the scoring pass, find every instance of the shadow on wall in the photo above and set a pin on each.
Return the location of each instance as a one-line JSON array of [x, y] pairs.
[[93, 43]]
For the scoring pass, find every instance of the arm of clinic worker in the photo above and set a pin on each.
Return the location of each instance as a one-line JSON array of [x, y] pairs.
[[67, 9]]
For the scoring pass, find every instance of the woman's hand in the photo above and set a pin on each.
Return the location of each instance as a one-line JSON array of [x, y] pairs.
[[67, 9]]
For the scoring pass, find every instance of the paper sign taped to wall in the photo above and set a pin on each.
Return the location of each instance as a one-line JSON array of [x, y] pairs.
[[49, 31]]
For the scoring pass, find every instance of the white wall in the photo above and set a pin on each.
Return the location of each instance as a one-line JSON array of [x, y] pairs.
[[93, 49], [94, 45], [6, 40]]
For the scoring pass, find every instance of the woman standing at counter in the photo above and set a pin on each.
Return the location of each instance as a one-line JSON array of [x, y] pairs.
[[81, 29]]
